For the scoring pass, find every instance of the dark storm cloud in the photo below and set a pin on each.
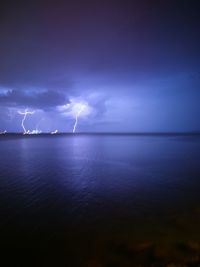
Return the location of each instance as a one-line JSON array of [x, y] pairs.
[[42, 100], [161, 39], [42, 43]]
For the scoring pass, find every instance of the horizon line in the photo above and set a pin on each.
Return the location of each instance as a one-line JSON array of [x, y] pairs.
[[108, 133]]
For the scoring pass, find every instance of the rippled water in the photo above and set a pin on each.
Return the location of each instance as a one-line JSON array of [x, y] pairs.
[[56, 190]]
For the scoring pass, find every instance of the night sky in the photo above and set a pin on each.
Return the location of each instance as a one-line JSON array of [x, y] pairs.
[[134, 64]]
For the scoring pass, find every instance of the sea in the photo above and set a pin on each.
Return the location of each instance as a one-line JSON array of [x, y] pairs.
[[73, 200]]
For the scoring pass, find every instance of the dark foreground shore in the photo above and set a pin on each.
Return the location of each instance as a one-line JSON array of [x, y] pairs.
[[173, 243]]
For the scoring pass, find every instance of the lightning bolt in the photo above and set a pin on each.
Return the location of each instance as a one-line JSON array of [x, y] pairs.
[[77, 115], [75, 109], [25, 113]]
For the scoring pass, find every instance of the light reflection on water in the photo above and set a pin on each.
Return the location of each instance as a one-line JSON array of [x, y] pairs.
[[104, 182]]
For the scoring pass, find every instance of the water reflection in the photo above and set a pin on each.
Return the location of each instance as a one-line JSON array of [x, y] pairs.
[[99, 174]]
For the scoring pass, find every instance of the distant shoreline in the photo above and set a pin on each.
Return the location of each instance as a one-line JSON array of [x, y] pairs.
[[106, 133]]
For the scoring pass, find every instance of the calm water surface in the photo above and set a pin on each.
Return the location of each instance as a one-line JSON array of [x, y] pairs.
[[67, 191]]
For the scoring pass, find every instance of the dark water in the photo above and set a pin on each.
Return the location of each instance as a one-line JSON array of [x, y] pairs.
[[62, 197]]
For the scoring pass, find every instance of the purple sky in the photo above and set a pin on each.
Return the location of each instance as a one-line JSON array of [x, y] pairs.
[[135, 64]]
